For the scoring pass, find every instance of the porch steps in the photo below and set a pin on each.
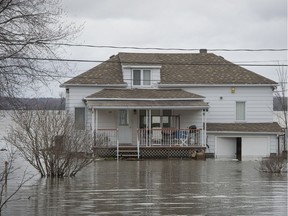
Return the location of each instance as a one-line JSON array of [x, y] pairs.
[[128, 153]]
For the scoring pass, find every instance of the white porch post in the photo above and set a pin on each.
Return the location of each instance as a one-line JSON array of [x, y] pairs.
[[150, 127], [93, 125], [96, 119], [202, 131], [93, 120]]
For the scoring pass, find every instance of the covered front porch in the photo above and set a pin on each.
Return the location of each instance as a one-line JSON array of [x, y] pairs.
[[166, 121], [155, 143], [170, 135]]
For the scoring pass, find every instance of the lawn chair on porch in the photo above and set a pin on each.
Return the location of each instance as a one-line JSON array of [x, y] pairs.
[[157, 136], [181, 137]]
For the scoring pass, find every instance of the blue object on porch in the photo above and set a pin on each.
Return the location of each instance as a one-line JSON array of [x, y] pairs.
[[180, 134]]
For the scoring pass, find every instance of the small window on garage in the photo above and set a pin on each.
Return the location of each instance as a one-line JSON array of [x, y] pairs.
[[80, 118], [240, 110]]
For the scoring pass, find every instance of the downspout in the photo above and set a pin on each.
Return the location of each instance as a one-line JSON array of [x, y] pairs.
[[205, 127], [150, 127], [146, 128]]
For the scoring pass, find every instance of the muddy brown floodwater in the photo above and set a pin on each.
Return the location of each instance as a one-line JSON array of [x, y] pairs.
[[156, 187]]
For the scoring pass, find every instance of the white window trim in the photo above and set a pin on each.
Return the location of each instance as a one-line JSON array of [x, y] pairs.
[[85, 118], [141, 77], [126, 123], [245, 111]]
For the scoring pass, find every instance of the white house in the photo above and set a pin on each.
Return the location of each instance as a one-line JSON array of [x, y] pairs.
[[195, 101]]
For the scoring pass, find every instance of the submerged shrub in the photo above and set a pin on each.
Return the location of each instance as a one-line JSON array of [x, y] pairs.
[[274, 164]]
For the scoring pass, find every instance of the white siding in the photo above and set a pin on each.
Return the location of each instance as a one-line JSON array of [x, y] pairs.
[[75, 99], [259, 103], [77, 94], [107, 119], [189, 118]]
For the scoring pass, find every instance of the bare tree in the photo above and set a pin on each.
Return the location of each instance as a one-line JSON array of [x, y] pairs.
[[281, 99], [47, 139], [30, 30], [5, 177]]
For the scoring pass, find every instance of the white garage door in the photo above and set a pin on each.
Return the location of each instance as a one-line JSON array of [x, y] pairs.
[[254, 148], [226, 148]]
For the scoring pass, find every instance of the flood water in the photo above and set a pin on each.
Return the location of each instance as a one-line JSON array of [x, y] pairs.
[[156, 187]]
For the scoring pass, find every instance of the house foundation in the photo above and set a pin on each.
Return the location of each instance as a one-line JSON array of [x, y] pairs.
[[191, 152]]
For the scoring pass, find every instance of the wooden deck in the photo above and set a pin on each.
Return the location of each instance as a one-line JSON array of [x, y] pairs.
[[154, 152]]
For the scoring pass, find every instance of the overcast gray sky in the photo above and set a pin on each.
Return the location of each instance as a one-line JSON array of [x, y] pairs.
[[211, 24]]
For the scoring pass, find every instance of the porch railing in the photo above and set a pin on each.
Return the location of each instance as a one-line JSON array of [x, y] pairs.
[[154, 137], [106, 138], [169, 137]]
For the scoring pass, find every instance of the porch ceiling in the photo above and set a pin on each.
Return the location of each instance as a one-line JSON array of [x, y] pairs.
[[147, 104]]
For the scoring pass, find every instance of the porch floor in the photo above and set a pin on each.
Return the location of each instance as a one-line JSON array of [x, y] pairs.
[[153, 152]]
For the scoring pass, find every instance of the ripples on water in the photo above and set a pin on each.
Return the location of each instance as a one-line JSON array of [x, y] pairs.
[[157, 187]]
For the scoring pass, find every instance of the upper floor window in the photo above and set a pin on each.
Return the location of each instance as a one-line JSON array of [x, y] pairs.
[[240, 111], [80, 118], [141, 77]]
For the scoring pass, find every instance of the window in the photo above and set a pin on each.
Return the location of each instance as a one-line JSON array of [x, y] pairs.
[[163, 119], [123, 117], [141, 77], [240, 111], [80, 118]]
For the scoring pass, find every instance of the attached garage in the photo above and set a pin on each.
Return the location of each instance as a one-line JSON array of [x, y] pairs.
[[242, 147], [243, 141]]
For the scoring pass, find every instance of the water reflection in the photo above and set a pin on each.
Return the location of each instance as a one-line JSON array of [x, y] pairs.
[[157, 187]]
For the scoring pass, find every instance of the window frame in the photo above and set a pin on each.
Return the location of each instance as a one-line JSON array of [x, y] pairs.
[[143, 82], [80, 125], [243, 112], [123, 117]]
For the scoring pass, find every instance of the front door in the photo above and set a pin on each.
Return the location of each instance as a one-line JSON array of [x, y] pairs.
[[124, 126], [239, 148]]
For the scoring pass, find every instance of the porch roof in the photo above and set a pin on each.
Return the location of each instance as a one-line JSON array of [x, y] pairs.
[[146, 99], [266, 127], [147, 104], [177, 94]]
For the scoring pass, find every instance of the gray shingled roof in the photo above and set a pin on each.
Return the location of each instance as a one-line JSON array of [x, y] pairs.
[[141, 98], [143, 104], [244, 127], [108, 72], [176, 68], [144, 94]]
